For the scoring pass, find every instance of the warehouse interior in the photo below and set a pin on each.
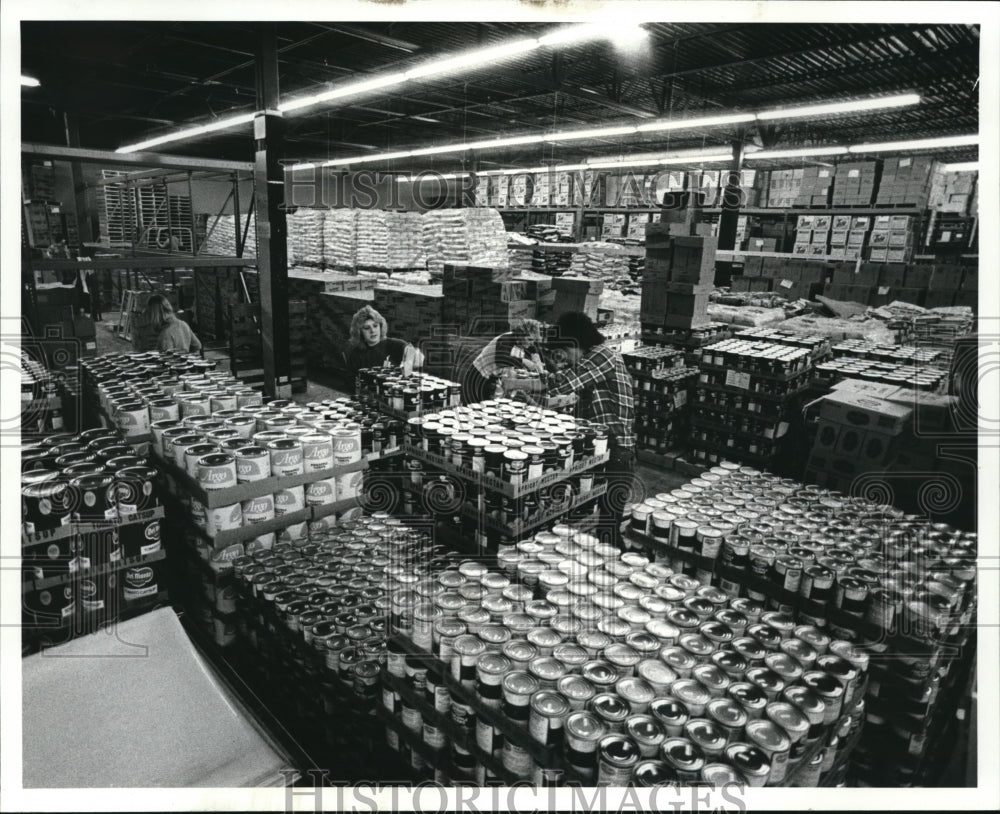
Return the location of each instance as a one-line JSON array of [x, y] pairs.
[[721, 530]]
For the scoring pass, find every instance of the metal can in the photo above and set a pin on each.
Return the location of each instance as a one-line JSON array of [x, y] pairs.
[[286, 457], [317, 452], [490, 670], [684, 757], [637, 692], [321, 492], [647, 733], [611, 709], [258, 509], [583, 732], [517, 688], [252, 464], [617, 757], [289, 501], [577, 690], [547, 714], [751, 762], [773, 742], [790, 719]]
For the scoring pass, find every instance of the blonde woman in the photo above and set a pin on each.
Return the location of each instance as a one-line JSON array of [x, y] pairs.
[[172, 332], [371, 346]]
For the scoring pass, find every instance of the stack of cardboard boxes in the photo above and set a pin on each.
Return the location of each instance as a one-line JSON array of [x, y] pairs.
[[892, 238], [855, 182], [848, 236], [815, 188], [793, 277], [953, 191], [471, 295], [783, 188], [613, 225], [906, 180], [860, 431], [677, 279], [812, 235]]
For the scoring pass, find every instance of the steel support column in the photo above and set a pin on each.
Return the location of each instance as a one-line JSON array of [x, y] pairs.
[[272, 230], [730, 215], [72, 124]]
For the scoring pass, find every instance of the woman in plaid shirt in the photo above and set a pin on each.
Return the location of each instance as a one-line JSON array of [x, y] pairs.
[[597, 377]]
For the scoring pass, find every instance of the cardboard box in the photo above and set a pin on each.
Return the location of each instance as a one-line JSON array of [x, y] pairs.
[[868, 274], [864, 412], [970, 280], [892, 274], [969, 299], [936, 297], [947, 277], [914, 296], [918, 276], [878, 255]]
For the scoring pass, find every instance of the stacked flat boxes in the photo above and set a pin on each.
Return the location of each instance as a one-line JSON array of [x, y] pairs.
[[677, 279], [812, 235], [783, 188], [793, 277], [953, 191], [481, 299], [745, 399], [817, 183], [855, 182], [905, 181], [749, 194], [892, 238], [860, 431], [613, 225], [848, 236], [38, 181], [662, 389], [44, 222]]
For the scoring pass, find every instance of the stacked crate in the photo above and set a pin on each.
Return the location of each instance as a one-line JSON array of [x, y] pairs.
[[677, 279], [906, 181], [487, 300], [854, 183], [953, 191], [815, 188], [812, 235], [893, 238], [746, 397], [412, 312], [783, 188], [661, 388]]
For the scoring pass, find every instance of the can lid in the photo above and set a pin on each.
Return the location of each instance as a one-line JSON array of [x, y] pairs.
[[656, 672], [610, 706], [519, 650], [690, 691], [546, 668], [648, 773], [543, 637], [619, 750], [784, 665], [493, 663], [767, 735], [711, 676], [683, 754], [644, 729], [823, 684], [468, 645], [705, 733], [549, 703], [719, 774], [727, 712], [635, 690], [568, 652], [747, 695], [788, 717], [585, 725], [576, 687]]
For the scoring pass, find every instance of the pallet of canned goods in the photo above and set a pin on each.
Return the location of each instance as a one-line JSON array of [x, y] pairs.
[[608, 668], [903, 374], [404, 396], [900, 589], [818, 346], [90, 540]]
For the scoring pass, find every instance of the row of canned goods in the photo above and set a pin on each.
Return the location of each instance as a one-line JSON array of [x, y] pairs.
[[407, 393], [667, 388], [653, 359], [865, 559], [215, 396], [333, 591], [635, 652], [94, 476], [756, 357], [930, 379]]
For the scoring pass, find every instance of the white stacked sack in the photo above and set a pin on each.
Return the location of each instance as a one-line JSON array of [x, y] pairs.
[[339, 237], [222, 238], [474, 237], [305, 236]]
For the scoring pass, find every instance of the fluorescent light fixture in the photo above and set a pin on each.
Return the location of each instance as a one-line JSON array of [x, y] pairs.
[[688, 124], [363, 86], [190, 132], [833, 108], [513, 141], [693, 158], [572, 33], [337, 162], [570, 167], [444, 148], [961, 166], [805, 152], [29, 81], [917, 144], [472, 59], [596, 132]]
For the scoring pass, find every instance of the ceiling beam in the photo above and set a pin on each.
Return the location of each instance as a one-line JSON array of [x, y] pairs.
[[372, 36], [133, 159]]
